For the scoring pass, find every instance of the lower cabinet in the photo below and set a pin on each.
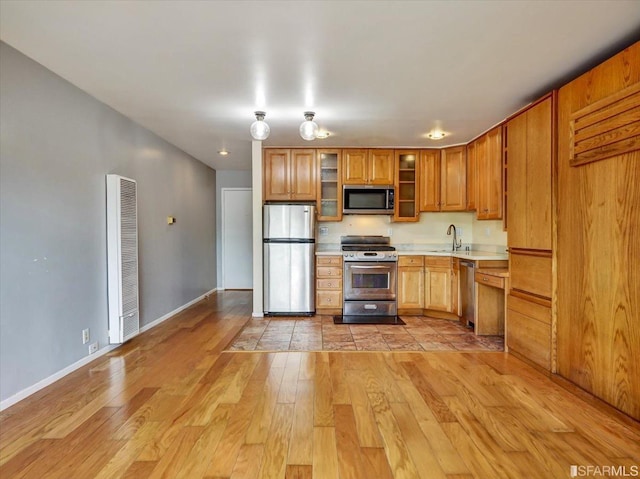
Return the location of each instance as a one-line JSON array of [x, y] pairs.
[[455, 287], [410, 282], [428, 282], [529, 306], [437, 283], [529, 329], [328, 284]]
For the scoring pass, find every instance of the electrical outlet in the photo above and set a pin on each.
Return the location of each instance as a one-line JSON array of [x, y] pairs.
[[93, 347], [460, 231], [324, 230], [390, 231], [85, 336]]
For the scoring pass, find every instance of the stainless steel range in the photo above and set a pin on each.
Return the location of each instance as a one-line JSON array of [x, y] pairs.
[[370, 274]]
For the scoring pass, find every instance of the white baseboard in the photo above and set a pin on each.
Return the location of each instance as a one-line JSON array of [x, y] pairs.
[[153, 324], [19, 396], [257, 314], [10, 401]]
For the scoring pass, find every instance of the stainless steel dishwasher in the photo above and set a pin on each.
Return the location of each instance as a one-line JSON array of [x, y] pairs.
[[467, 292]]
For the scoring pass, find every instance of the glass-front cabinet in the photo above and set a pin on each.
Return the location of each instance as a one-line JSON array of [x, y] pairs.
[[330, 187], [406, 182]]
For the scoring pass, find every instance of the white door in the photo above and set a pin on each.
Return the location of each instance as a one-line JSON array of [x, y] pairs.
[[237, 250]]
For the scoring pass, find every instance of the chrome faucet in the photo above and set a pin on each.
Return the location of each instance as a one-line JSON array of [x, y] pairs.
[[456, 244]]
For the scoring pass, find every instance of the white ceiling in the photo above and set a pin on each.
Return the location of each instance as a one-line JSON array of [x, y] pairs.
[[377, 73]]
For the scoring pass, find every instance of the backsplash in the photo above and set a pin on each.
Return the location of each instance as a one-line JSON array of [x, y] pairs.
[[430, 229]]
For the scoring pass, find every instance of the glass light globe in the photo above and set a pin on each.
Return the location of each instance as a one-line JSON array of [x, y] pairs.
[[259, 128], [309, 128]]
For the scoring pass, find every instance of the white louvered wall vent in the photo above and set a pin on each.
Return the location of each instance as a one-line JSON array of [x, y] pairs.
[[122, 258]]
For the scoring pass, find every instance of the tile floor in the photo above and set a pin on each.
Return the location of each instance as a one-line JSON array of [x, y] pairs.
[[318, 333]]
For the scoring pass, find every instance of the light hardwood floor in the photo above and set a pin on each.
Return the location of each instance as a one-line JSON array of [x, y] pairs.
[[172, 404]]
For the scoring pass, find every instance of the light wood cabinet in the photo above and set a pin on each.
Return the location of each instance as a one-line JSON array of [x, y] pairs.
[[455, 286], [531, 272], [410, 282], [529, 329], [472, 177], [354, 167], [329, 202], [453, 179], [528, 156], [329, 284], [406, 181], [488, 159], [489, 302], [429, 185], [443, 179], [368, 167], [437, 283], [289, 174], [529, 153]]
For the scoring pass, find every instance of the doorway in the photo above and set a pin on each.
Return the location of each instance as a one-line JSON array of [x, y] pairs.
[[237, 250]]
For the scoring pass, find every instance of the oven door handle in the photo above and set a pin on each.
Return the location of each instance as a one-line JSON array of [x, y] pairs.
[[368, 267]]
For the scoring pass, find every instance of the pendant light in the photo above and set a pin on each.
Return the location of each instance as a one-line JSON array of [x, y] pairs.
[[259, 128], [309, 128]]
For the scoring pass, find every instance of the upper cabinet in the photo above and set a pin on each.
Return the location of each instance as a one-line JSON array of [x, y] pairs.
[[488, 162], [443, 179], [429, 180], [472, 177], [406, 198], [529, 150], [289, 174], [329, 185], [453, 179], [367, 167]]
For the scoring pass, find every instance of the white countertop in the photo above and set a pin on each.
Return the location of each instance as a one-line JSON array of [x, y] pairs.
[[327, 249]]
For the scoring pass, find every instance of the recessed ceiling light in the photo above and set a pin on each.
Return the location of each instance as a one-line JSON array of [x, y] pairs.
[[223, 152], [436, 135]]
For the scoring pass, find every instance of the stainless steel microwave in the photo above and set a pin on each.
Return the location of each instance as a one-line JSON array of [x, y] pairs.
[[368, 200]]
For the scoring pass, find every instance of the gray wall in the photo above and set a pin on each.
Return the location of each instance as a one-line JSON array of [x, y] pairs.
[[57, 144], [226, 179]]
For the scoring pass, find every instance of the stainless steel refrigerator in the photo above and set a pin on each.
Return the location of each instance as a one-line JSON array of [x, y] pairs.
[[288, 233]]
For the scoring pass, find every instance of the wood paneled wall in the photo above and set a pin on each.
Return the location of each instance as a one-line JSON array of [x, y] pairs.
[[598, 260]]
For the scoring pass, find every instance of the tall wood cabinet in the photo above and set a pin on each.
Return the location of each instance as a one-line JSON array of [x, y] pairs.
[[529, 150], [443, 179], [289, 174], [598, 234], [367, 167]]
